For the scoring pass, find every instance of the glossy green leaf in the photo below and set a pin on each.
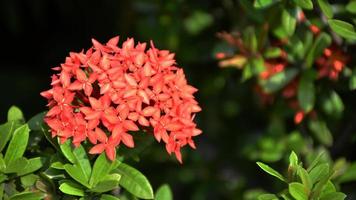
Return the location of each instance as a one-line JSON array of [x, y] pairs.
[[319, 172], [326, 8], [321, 132], [134, 181], [306, 4], [57, 165], [304, 176], [306, 92], [289, 20], [102, 167], [77, 174], [279, 80], [109, 183], [28, 196], [293, 160], [32, 165], [6, 131], [351, 7], [298, 191], [108, 197], [316, 161], [71, 188], [67, 151], [18, 144], [334, 196], [271, 171], [342, 28], [15, 114], [164, 192], [264, 3], [16, 166], [322, 41], [82, 161]]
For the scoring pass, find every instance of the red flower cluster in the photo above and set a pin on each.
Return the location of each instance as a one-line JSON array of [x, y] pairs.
[[106, 92], [331, 63]]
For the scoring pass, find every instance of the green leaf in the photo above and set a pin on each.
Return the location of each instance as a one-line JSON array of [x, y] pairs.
[[289, 20], [298, 191], [198, 21], [326, 8], [57, 165], [15, 114], [264, 3], [350, 174], [334, 196], [29, 180], [102, 167], [279, 80], [3, 178], [6, 131], [272, 52], [164, 192], [304, 176], [321, 132], [109, 183], [293, 160], [333, 105], [2, 163], [82, 161], [28, 196], [271, 171], [250, 39], [134, 181], [319, 172], [17, 165], [352, 81], [17, 145], [33, 165], [316, 161], [267, 197], [344, 29], [321, 42], [306, 92], [306, 4], [351, 7], [328, 188], [77, 174], [108, 197], [66, 149], [71, 188]]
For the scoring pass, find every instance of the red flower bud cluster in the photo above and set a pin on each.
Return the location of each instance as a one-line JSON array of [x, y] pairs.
[[107, 92]]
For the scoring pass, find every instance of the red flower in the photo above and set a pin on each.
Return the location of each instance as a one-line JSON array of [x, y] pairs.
[[106, 92]]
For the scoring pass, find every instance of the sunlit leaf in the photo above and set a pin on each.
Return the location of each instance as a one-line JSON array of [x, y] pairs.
[[17, 145], [164, 192], [342, 28], [271, 171], [134, 181]]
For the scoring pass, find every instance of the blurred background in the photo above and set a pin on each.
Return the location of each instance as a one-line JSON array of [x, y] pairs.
[[37, 35]]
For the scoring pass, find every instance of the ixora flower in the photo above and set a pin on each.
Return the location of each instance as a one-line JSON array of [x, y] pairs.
[[108, 92]]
